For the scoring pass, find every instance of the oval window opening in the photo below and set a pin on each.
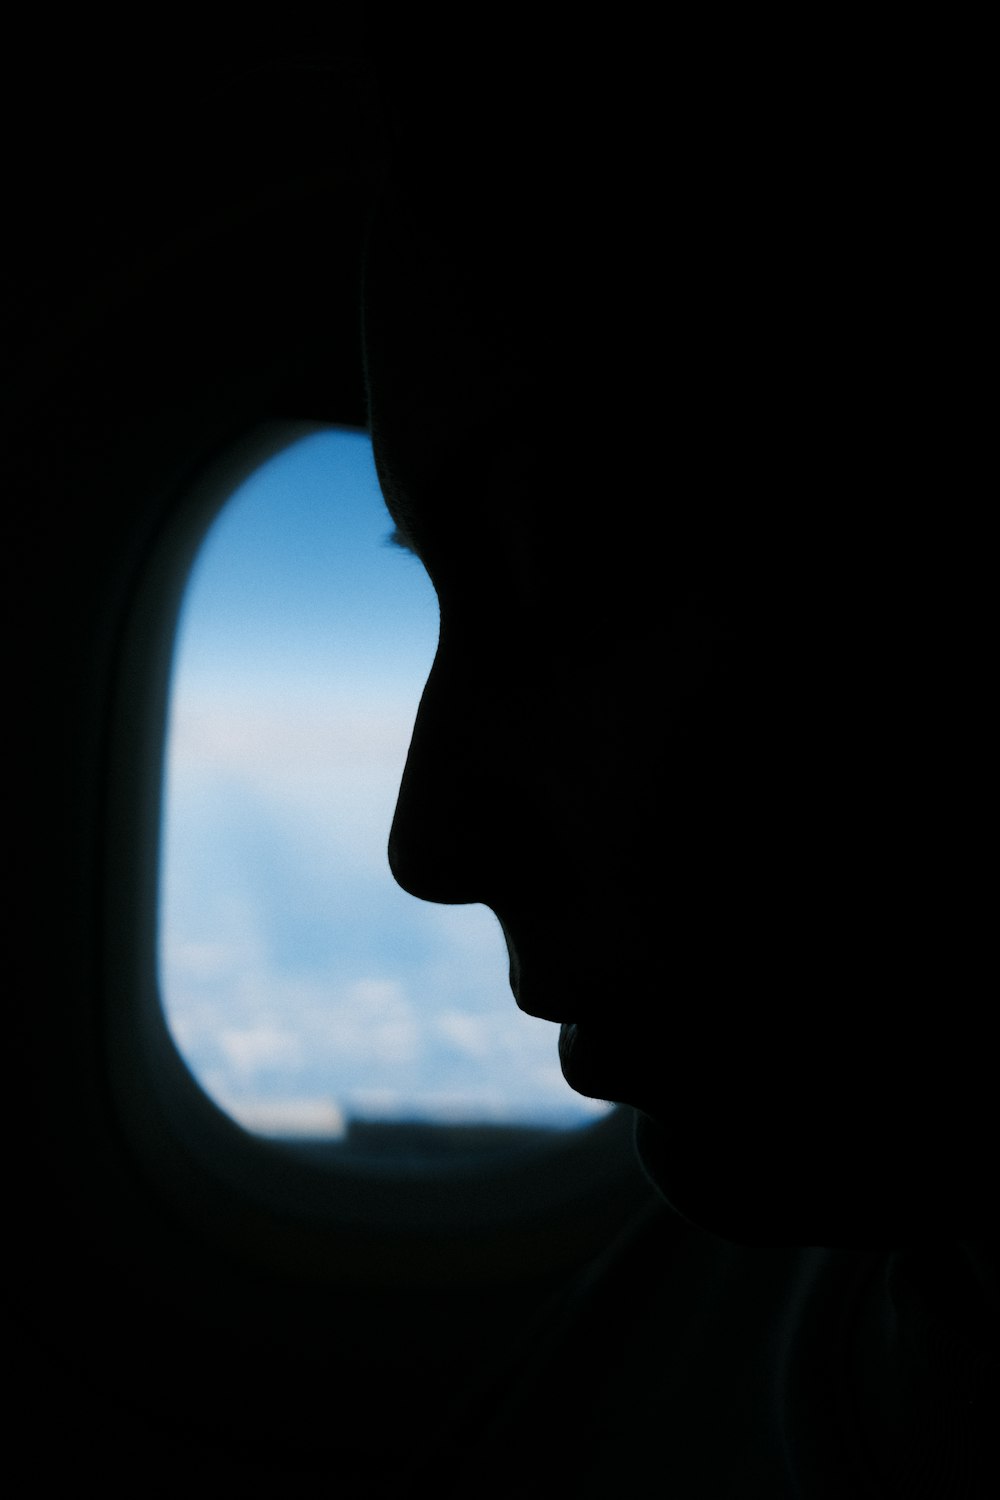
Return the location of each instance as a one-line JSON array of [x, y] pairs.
[[306, 992]]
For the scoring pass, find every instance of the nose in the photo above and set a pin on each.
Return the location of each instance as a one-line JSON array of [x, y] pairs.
[[454, 812]]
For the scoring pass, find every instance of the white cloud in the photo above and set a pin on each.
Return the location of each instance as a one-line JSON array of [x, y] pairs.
[[200, 962], [333, 787], [276, 742], [379, 999], [318, 1118], [375, 1024], [473, 1035], [248, 1050]]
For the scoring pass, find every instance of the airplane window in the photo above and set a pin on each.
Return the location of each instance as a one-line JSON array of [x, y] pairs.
[[303, 988]]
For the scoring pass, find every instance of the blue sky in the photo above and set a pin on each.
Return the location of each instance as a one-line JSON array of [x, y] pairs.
[[302, 986]]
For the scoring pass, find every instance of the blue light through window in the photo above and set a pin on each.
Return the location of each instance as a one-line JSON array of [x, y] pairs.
[[303, 988]]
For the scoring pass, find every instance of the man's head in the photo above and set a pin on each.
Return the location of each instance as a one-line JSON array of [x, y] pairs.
[[678, 731]]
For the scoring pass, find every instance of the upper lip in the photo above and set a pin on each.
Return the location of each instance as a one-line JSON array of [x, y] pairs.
[[537, 1007], [543, 965]]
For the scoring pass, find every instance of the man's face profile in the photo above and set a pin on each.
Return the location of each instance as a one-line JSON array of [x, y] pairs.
[[668, 738]]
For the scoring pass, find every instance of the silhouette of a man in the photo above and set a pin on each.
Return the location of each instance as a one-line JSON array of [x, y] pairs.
[[660, 401]]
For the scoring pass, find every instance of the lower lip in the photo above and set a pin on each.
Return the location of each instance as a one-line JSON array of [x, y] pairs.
[[618, 1065], [568, 1034]]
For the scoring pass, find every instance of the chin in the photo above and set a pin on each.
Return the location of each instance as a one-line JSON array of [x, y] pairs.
[[601, 1062]]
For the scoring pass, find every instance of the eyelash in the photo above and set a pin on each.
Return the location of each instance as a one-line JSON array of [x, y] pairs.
[[393, 538]]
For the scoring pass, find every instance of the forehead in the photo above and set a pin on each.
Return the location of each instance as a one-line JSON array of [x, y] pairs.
[[482, 349], [508, 402]]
